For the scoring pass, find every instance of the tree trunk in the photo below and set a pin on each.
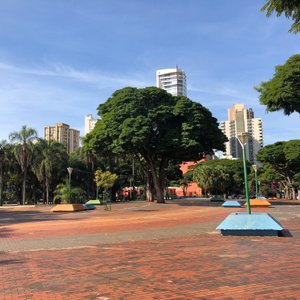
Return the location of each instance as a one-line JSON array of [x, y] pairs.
[[92, 183], [286, 192], [44, 190], [1, 183], [24, 188], [158, 188], [47, 193], [149, 194], [156, 179]]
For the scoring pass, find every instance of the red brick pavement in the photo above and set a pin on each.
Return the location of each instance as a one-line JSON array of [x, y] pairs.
[[188, 264]]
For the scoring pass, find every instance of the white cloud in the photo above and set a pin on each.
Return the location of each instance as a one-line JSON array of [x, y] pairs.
[[60, 70], [225, 90], [53, 93]]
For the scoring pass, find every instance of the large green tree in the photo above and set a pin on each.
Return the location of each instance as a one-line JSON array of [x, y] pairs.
[[157, 128], [281, 164], [12, 177], [23, 150], [222, 176], [205, 176], [84, 163], [282, 92], [290, 8]]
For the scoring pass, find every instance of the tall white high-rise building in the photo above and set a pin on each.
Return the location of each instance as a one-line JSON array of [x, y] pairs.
[[172, 80], [89, 123], [241, 120]]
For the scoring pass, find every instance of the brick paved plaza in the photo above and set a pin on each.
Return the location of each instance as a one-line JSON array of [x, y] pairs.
[[142, 250]]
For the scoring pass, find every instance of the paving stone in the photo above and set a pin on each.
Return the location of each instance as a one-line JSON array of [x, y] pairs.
[[146, 251]]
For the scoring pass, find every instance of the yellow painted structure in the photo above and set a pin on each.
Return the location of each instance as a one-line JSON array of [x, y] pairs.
[[68, 207], [259, 203]]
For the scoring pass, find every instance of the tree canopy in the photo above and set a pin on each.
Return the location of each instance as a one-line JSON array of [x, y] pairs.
[[105, 179], [155, 127], [281, 165], [23, 151], [222, 176], [290, 8], [282, 92], [50, 158]]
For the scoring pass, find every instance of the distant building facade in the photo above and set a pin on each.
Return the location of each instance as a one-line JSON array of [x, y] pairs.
[[62, 133], [89, 123], [241, 120], [172, 80]]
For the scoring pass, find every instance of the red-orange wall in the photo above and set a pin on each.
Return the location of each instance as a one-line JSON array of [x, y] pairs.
[[193, 189]]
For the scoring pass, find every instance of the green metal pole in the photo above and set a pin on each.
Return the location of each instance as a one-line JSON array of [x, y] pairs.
[[256, 186], [246, 181], [69, 188]]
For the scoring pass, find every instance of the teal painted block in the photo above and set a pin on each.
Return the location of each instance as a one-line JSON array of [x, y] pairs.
[[94, 202], [89, 206], [231, 204], [242, 223]]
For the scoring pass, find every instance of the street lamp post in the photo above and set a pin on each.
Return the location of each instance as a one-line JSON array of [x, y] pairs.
[[243, 139], [256, 183], [69, 186], [245, 223], [97, 192]]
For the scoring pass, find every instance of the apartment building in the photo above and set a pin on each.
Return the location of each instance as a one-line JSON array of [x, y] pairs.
[[89, 123], [62, 133], [172, 80], [241, 120]]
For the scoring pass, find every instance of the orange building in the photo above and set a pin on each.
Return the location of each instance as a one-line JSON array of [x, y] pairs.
[[192, 190]]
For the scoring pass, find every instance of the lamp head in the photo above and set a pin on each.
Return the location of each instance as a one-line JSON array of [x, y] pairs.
[[70, 170], [243, 137]]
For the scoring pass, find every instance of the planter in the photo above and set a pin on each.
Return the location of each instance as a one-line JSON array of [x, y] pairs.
[[68, 207], [95, 202], [259, 203]]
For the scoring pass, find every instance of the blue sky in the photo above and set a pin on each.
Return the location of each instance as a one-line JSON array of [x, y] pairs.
[[60, 59]]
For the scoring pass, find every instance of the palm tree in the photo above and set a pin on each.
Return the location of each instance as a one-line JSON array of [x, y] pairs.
[[223, 177], [23, 140], [205, 178], [63, 192], [86, 161], [52, 157]]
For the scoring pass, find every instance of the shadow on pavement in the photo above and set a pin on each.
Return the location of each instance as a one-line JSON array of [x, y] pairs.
[[10, 261], [195, 202], [284, 203], [144, 210], [285, 233], [4, 232], [8, 217], [202, 202]]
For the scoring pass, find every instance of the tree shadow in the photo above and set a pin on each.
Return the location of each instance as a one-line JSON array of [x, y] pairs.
[[11, 261], [4, 232], [196, 202], [11, 216], [284, 203], [8, 259], [143, 210], [209, 203]]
